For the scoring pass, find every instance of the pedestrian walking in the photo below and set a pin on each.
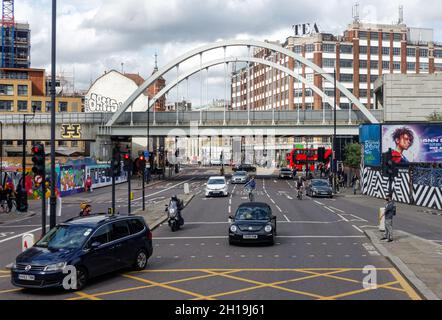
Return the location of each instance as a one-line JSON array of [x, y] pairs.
[[390, 212], [355, 184]]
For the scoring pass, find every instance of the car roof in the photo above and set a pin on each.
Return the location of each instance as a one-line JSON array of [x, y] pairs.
[[95, 220], [217, 177], [254, 204]]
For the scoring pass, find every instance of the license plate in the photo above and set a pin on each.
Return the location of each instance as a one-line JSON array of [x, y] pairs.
[[252, 236], [26, 277]]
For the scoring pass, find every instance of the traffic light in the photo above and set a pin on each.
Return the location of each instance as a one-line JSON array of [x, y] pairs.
[[388, 165], [38, 158], [321, 154], [116, 161], [141, 163], [127, 162]]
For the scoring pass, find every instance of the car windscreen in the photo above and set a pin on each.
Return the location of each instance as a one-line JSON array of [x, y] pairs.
[[216, 181], [65, 237], [240, 173], [320, 183], [252, 213], [286, 170]]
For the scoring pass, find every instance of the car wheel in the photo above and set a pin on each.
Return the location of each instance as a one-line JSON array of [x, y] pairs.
[[82, 278], [140, 260]]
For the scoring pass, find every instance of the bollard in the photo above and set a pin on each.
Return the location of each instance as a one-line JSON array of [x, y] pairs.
[[27, 241], [382, 219], [186, 188]]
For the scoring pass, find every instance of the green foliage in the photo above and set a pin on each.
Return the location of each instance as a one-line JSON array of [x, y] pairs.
[[352, 155], [435, 116]]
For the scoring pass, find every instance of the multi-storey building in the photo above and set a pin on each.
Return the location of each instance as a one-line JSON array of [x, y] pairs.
[[363, 53], [22, 91], [16, 46]]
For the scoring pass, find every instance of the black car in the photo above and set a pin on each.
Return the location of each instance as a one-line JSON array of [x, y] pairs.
[[245, 167], [93, 245], [319, 188], [252, 222]]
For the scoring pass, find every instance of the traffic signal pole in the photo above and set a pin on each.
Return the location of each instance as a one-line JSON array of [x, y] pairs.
[[113, 187]]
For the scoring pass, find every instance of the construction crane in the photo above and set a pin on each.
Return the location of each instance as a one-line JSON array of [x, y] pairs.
[[8, 34]]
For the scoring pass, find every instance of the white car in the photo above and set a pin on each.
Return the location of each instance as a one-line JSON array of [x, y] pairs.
[[217, 186]]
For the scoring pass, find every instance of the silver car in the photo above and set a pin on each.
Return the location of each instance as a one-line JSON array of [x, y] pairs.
[[240, 177]]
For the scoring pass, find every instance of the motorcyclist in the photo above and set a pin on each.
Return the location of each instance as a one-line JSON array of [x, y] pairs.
[[180, 206], [251, 185]]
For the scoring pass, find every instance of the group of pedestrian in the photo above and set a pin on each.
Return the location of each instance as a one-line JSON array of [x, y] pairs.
[[7, 197]]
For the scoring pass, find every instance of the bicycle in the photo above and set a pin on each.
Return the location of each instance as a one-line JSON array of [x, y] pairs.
[[300, 193], [251, 195]]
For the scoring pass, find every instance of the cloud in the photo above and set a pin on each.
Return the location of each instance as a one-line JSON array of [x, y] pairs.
[[94, 36]]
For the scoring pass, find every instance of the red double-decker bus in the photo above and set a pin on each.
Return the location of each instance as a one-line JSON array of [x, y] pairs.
[[300, 158]]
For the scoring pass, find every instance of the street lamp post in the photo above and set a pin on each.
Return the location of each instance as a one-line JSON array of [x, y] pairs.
[[1, 152], [24, 142], [334, 135], [53, 201]]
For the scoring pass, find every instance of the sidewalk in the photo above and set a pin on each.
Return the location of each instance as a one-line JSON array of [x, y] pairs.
[[419, 260], [6, 218], [156, 214]]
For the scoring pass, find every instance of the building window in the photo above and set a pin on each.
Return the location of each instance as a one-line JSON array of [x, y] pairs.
[[423, 52], [363, 93], [328, 47], [385, 51], [396, 51], [346, 63], [386, 36], [396, 65], [62, 143], [363, 78], [22, 90], [6, 105], [374, 50], [344, 77], [74, 144], [363, 64], [438, 67], [386, 65], [309, 48], [48, 106], [411, 52], [438, 53], [373, 78], [363, 50], [346, 49], [37, 105], [374, 35], [423, 66], [397, 36], [411, 66], [22, 105], [62, 106], [6, 89], [297, 49], [374, 64], [362, 35], [330, 92], [345, 106], [328, 63]]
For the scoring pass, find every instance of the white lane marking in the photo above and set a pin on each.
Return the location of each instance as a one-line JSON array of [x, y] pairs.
[[230, 209], [6, 234], [358, 229], [153, 194], [286, 218], [230, 201], [273, 201], [21, 234], [325, 207], [278, 208], [291, 187], [342, 217], [321, 204], [339, 210]]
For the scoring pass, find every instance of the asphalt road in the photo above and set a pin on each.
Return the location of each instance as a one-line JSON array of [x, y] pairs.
[[320, 252]]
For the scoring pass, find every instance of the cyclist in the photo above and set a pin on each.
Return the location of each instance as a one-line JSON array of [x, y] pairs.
[[85, 209], [300, 187], [251, 186]]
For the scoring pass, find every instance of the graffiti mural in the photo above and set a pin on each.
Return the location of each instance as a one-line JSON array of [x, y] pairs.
[[98, 103], [71, 179]]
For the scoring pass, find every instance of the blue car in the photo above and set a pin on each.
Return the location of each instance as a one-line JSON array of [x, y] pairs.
[[94, 245]]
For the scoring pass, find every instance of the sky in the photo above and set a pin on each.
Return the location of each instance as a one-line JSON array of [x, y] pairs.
[[94, 36]]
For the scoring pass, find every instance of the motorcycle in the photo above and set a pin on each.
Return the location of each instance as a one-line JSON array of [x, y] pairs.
[[175, 220]]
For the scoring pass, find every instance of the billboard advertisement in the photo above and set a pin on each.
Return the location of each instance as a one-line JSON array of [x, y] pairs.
[[413, 143], [370, 138]]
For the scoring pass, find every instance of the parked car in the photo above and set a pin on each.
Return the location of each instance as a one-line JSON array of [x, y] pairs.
[[245, 167], [319, 188], [94, 245], [239, 177], [217, 186], [285, 173], [252, 222]]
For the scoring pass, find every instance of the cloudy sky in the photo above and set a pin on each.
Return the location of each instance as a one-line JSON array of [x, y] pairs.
[[98, 35]]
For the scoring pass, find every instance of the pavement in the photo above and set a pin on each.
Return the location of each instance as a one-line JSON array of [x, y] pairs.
[[419, 260], [6, 218]]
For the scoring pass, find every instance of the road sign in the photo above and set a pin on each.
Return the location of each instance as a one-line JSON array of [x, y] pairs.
[[27, 241], [146, 154], [38, 179]]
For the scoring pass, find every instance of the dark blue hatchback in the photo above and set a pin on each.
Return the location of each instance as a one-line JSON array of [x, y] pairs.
[[93, 245]]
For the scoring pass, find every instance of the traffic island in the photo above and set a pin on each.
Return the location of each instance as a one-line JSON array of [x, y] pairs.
[[156, 214], [418, 259]]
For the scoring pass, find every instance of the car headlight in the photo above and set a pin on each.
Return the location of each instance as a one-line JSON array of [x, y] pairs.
[[55, 267], [268, 228], [233, 228]]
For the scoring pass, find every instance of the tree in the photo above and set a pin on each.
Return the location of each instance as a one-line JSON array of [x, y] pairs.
[[352, 155], [435, 116]]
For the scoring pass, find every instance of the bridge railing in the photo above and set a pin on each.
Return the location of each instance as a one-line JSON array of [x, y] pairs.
[[242, 117], [45, 118]]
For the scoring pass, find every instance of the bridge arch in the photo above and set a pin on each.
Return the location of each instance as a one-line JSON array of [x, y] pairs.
[[232, 43], [191, 72]]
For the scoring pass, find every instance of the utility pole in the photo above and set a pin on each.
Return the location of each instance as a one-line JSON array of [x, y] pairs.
[[53, 201], [334, 135]]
